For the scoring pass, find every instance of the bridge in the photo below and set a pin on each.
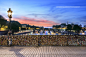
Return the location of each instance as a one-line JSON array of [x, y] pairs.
[[44, 51]]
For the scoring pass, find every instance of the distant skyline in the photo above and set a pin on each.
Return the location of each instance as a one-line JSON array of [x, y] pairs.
[[45, 12]]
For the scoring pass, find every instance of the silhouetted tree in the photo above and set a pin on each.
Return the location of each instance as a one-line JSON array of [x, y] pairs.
[[77, 28], [2, 21], [69, 27], [15, 25]]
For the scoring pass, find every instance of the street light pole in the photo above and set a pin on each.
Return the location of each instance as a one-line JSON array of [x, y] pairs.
[[10, 23], [10, 16], [9, 32]]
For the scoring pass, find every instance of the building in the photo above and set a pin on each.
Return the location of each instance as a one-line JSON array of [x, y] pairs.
[[61, 27], [29, 27]]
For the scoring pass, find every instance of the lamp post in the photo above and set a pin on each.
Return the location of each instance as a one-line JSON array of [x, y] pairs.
[[10, 16], [9, 41]]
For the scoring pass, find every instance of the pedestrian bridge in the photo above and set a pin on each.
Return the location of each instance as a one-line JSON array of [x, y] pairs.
[[44, 51]]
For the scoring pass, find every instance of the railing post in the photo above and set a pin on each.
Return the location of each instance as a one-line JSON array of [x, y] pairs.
[[67, 40]]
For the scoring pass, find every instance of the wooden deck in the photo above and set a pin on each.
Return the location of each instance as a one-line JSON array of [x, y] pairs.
[[44, 51]]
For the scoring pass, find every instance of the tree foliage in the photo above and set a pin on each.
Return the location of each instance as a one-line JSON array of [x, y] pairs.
[[15, 25], [77, 28], [2, 21], [69, 27]]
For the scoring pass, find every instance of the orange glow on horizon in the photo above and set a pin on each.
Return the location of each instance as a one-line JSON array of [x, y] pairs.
[[35, 22]]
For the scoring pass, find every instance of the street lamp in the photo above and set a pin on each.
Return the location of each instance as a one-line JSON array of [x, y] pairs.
[[10, 13], [10, 16]]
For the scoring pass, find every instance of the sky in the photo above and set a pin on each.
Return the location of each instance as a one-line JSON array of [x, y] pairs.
[[45, 13]]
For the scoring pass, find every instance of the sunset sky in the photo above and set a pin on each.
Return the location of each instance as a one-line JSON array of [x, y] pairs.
[[45, 12]]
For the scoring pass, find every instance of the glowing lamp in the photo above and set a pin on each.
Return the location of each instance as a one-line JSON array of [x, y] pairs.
[[10, 13]]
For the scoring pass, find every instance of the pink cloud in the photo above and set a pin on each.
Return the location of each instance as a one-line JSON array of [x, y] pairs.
[[36, 22]]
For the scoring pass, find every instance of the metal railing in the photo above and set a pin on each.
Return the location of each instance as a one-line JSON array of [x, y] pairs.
[[44, 40]]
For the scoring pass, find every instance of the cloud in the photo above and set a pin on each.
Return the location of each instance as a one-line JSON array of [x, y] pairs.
[[64, 4], [36, 15], [82, 19], [36, 22], [68, 6]]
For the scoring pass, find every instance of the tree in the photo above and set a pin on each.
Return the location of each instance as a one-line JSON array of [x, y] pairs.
[[57, 26], [15, 25], [63, 24], [77, 28], [2, 21], [54, 25], [69, 27]]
